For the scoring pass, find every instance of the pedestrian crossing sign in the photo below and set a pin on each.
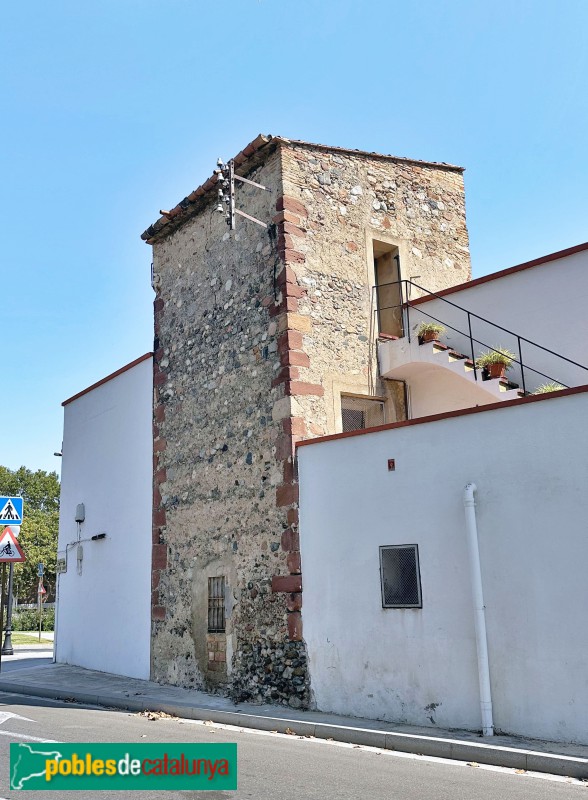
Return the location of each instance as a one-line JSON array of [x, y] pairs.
[[11, 510], [10, 550]]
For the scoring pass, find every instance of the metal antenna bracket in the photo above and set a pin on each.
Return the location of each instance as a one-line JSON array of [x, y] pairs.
[[226, 178]]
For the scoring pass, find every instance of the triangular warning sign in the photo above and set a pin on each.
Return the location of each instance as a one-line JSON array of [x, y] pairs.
[[9, 512], [10, 550]]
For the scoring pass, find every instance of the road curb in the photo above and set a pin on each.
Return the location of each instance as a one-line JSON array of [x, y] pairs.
[[438, 747]]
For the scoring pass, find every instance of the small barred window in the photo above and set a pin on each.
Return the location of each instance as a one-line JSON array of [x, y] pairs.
[[358, 413], [216, 605]]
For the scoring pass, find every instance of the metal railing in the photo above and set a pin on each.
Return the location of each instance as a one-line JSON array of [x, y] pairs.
[[406, 305]]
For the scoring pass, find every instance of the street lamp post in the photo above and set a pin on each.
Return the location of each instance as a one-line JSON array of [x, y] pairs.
[[7, 649]]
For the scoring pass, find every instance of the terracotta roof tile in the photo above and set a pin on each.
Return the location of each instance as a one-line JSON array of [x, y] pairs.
[[191, 204]]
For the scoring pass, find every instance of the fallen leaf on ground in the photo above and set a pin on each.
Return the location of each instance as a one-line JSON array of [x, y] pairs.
[[152, 716]]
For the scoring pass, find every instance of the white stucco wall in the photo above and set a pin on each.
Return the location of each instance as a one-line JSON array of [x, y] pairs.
[[103, 619], [545, 304], [436, 390], [419, 665]]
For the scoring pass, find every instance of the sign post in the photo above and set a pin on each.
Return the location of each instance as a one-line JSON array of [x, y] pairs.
[[7, 649], [40, 592], [10, 553], [11, 513], [2, 606]]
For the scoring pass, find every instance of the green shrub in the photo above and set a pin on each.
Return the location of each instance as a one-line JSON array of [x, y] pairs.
[[548, 387], [28, 619]]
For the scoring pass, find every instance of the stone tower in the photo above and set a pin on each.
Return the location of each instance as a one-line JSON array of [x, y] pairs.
[[264, 337]]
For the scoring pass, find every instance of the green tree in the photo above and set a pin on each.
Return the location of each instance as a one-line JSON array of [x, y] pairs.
[[39, 490], [38, 536]]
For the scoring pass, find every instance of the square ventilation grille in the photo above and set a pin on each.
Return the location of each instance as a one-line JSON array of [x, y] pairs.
[[400, 576]]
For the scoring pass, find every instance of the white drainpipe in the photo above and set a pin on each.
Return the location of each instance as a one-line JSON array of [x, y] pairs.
[[479, 610]]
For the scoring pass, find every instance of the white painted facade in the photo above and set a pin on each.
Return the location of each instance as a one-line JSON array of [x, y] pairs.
[[544, 304], [104, 608], [419, 665]]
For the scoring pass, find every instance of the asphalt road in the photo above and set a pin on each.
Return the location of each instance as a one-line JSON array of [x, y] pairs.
[[272, 766]]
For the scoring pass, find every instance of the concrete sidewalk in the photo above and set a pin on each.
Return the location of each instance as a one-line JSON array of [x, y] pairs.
[[64, 682]]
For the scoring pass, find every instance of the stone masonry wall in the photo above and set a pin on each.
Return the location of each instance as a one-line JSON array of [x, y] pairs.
[[349, 201], [217, 467], [257, 335]]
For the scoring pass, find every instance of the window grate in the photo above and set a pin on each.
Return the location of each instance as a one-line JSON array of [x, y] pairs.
[[216, 605], [358, 413], [400, 576], [353, 419]]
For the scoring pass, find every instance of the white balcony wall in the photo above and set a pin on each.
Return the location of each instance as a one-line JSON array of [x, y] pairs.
[[419, 665], [103, 616], [545, 304]]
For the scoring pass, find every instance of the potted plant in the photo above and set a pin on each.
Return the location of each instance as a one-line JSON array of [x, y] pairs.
[[495, 362], [552, 386], [429, 332]]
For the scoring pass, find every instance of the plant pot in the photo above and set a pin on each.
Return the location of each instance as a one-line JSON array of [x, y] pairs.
[[430, 336], [497, 370]]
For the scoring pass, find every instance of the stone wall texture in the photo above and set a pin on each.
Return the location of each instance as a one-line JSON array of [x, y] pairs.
[[257, 334]]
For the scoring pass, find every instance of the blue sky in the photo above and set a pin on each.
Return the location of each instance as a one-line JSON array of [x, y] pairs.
[[117, 108]]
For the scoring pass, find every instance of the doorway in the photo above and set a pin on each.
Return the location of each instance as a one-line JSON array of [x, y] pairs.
[[388, 289]]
